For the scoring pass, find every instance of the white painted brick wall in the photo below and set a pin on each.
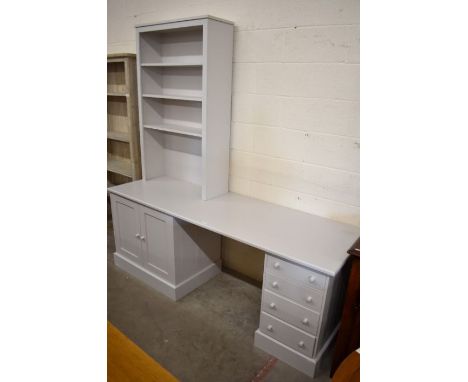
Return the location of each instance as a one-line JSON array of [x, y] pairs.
[[295, 106]]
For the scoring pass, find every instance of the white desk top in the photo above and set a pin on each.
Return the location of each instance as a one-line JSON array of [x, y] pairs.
[[310, 240]]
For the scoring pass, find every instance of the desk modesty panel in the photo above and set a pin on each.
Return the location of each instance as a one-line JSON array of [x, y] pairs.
[[305, 239]]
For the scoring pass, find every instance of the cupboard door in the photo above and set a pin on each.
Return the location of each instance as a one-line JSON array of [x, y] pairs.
[[125, 217], [157, 243]]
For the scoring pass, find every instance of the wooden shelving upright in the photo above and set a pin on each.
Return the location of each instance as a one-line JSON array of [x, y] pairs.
[[123, 139]]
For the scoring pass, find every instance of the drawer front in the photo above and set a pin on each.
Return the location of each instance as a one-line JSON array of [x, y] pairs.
[[296, 273], [287, 334], [307, 297], [290, 312]]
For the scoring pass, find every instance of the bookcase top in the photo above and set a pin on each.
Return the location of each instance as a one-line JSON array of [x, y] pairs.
[[186, 19]]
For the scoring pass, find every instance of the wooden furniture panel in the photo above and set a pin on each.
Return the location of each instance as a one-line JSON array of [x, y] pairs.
[[296, 339], [290, 312], [126, 219], [157, 246], [306, 277], [307, 297], [179, 95], [348, 336], [122, 114], [149, 245]]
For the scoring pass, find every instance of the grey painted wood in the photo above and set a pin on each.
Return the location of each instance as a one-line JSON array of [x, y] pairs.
[[290, 312], [217, 79], [188, 19], [287, 334], [312, 241], [170, 255], [309, 298], [184, 87]]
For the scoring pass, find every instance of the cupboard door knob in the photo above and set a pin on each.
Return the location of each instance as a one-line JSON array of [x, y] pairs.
[[275, 284], [301, 344], [137, 235], [305, 321], [142, 238], [272, 305], [309, 298], [311, 279], [270, 328], [276, 265]]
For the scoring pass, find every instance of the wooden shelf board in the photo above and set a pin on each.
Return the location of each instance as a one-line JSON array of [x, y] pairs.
[[120, 166], [177, 97], [118, 136], [163, 64], [117, 94], [179, 129]]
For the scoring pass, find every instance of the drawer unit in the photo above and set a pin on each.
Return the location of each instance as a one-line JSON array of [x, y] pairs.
[[285, 269], [290, 312], [308, 297], [287, 334]]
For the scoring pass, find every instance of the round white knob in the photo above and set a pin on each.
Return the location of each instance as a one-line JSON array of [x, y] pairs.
[[270, 328], [275, 284], [142, 238], [309, 299], [137, 235], [311, 279], [272, 305], [305, 321], [276, 265], [301, 344]]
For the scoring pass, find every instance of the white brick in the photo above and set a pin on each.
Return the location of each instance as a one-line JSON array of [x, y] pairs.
[[258, 46], [274, 195], [239, 185], [337, 185], [256, 109], [325, 116], [335, 81], [279, 143], [329, 209], [282, 13], [244, 78], [319, 44], [241, 165], [332, 151], [242, 136]]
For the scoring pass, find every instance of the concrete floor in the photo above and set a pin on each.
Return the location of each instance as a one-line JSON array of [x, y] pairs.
[[206, 336]]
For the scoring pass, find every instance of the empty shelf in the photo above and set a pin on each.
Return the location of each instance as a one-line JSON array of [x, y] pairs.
[[163, 64], [117, 94], [120, 166], [179, 129], [118, 136], [171, 96]]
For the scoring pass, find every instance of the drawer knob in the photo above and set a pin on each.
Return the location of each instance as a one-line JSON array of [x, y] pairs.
[[142, 238], [309, 299], [270, 328], [311, 279], [137, 235], [301, 344], [305, 321], [276, 265], [272, 305], [275, 284]]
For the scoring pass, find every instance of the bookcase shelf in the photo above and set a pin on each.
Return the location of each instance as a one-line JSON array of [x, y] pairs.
[[181, 97], [185, 73], [178, 129], [118, 136], [123, 142], [171, 64]]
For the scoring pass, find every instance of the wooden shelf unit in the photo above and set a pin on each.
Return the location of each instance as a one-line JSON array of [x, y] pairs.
[[123, 141], [184, 84]]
